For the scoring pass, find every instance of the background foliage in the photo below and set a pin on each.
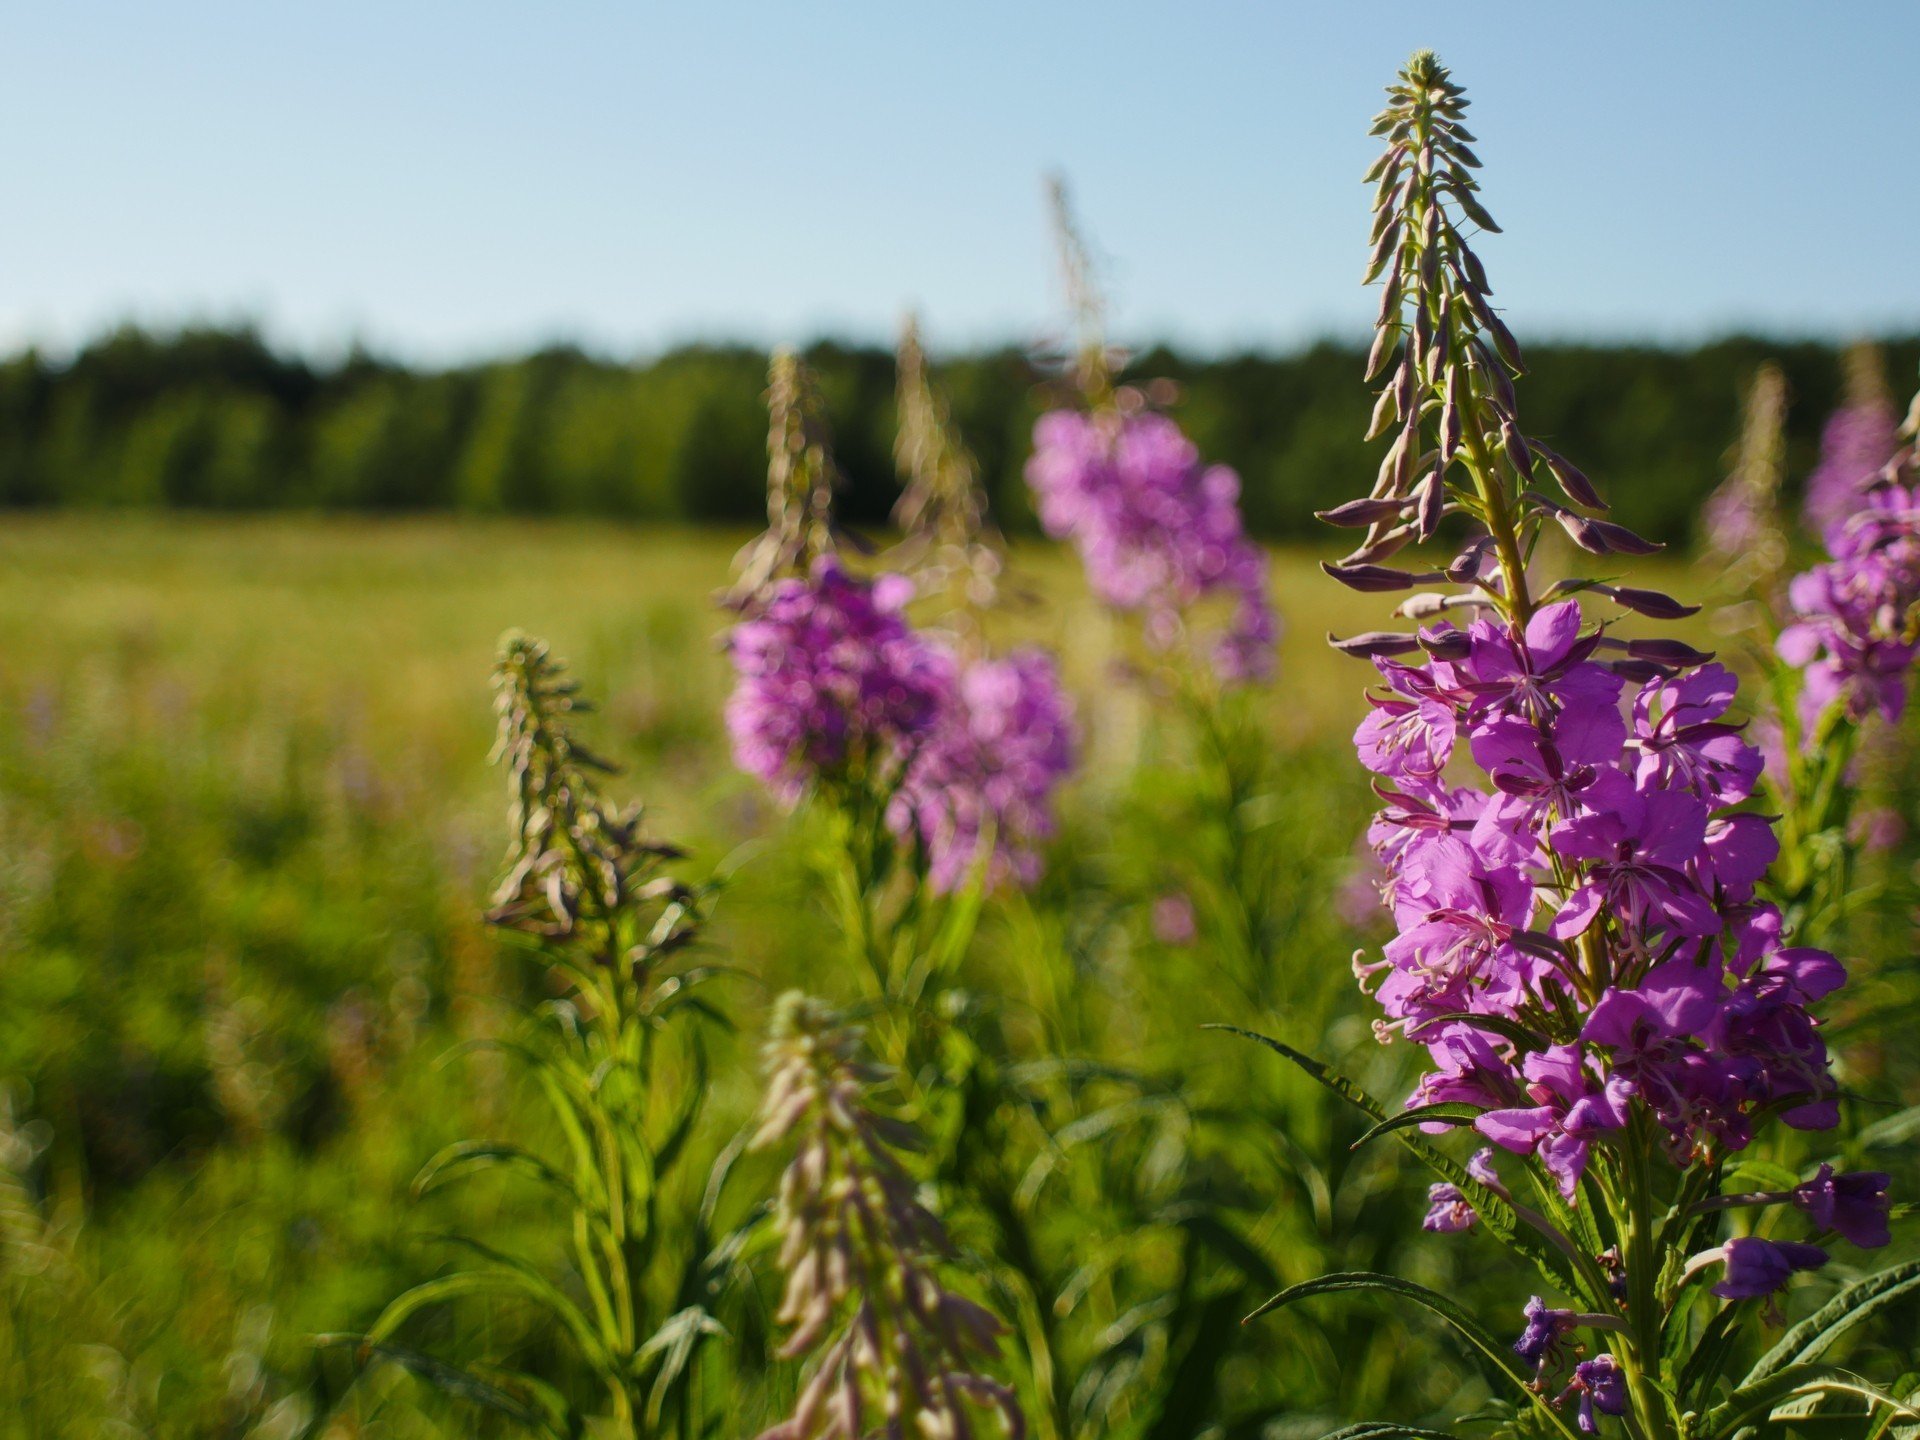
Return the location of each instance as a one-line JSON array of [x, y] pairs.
[[212, 419]]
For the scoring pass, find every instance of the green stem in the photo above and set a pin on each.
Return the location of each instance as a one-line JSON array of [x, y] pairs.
[[1640, 1254]]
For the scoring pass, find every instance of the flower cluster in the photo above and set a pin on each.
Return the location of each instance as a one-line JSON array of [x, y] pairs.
[[893, 1348], [983, 778], [1852, 626], [834, 683], [1858, 441], [831, 681], [1158, 531], [1598, 891]]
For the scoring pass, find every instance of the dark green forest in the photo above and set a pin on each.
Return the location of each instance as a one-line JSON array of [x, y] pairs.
[[220, 420]]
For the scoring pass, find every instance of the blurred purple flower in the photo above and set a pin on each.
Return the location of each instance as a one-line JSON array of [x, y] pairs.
[[1856, 445], [830, 678], [1855, 1205], [1449, 1211], [986, 772], [1157, 530], [1173, 919]]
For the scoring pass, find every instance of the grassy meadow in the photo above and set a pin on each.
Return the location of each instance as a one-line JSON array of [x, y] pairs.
[[247, 831]]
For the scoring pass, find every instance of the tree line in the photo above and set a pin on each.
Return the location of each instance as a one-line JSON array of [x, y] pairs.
[[221, 420]]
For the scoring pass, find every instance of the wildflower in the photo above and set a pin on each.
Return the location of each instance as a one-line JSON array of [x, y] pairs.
[[1600, 1385], [1540, 1340], [1684, 740], [1579, 945], [1858, 441], [891, 1345], [1158, 531], [983, 776], [1855, 1205], [1448, 1210], [830, 680], [1852, 628], [1173, 919], [1756, 1267]]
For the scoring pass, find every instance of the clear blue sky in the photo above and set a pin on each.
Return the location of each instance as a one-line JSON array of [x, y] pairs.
[[450, 179]]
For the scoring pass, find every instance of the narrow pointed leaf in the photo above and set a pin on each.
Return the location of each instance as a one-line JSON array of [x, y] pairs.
[[1809, 1339], [1448, 1112], [1498, 1354]]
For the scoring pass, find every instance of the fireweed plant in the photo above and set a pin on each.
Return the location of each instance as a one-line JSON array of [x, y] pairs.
[[620, 1058], [924, 764], [1849, 637], [894, 1350], [1604, 1001], [936, 771], [1160, 538]]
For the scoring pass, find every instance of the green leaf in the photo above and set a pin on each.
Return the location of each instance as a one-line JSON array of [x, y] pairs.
[[1809, 1339], [1704, 1365], [1498, 1354], [464, 1384], [466, 1155], [1895, 1129], [1761, 1397], [524, 1283], [1500, 1218], [681, 1128], [674, 1342], [1387, 1430], [1758, 1174], [1450, 1112], [1493, 1024]]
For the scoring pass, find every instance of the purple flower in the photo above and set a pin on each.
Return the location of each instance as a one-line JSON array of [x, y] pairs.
[[1541, 671], [1462, 943], [1158, 531], [1449, 1211], [1569, 1109], [1685, 743], [1757, 1267], [1601, 1385], [1852, 630], [1639, 845], [1546, 1327], [1855, 1205], [1856, 445], [982, 780], [831, 679], [1408, 736]]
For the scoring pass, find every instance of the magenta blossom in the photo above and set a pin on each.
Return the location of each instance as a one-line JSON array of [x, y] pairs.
[[829, 678], [1757, 1268], [1158, 531], [1855, 447], [981, 783], [1854, 1205], [1448, 1210]]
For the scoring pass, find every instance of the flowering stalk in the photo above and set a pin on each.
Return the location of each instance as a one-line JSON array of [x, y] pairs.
[[1159, 532], [1581, 949], [893, 1351], [935, 770], [590, 893], [801, 480], [1746, 542], [949, 542], [1160, 536], [1850, 642]]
